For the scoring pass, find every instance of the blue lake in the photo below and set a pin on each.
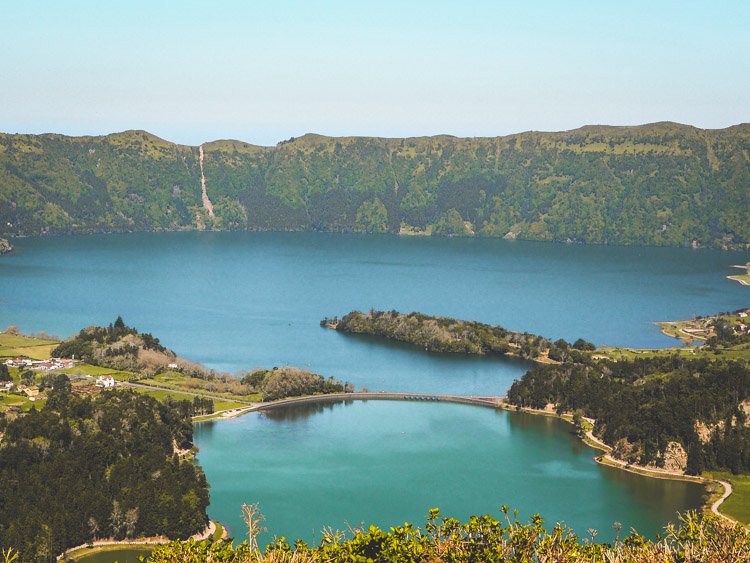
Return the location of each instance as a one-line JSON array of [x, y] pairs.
[[235, 301]]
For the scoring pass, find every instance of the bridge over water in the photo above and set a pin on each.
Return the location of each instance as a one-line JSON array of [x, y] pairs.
[[483, 401]]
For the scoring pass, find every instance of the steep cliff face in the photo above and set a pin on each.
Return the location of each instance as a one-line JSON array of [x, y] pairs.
[[659, 184]]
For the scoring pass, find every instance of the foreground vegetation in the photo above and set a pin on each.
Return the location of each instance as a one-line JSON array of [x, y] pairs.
[[443, 334], [483, 540], [658, 184], [84, 468]]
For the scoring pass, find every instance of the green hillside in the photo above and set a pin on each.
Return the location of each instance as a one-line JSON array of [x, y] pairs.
[[658, 184]]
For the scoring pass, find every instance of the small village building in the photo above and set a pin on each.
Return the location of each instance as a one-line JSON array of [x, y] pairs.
[[105, 381], [6, 386], [172, 366]]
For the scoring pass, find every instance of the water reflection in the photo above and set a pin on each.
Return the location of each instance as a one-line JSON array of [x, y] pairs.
[[301, 411]]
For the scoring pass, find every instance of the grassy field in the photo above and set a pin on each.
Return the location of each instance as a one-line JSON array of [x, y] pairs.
[[682, 329], [130, 549], [20, 401], [16, 340], [737, 505], [219, 405], [178, 382], [740, 352], [218, 533], [741, 278], [14, 345], [96, 371]]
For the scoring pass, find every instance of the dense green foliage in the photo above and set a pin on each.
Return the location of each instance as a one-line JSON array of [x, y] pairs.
[[484, 540], [658, 184], [443, 334], [280, 383], [116, 346], [641, 406], [199, 406], [83, 468]]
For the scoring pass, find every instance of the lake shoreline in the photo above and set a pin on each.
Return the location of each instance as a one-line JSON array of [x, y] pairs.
[[96, 546], [712, 504]]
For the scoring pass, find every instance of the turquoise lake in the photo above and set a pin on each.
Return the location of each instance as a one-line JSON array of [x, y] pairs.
[[235, 301], [387, 462]]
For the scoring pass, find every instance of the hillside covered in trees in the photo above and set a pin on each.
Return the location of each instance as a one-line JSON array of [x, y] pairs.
[[83, 468], [693, 414], [116, 346], [658, 184]]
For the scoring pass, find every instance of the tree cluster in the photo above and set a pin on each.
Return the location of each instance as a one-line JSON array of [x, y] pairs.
[[116, 346], [188, 409], [280, 383], [84, 468]]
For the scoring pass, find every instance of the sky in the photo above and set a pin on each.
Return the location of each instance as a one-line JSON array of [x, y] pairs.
[[261, 72]]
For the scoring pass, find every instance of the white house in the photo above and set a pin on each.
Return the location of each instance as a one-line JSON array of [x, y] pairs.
[[105, 381]]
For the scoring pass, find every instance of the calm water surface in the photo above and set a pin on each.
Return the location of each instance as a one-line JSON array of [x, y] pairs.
[[386, 462], [234, 301], [238, 300]]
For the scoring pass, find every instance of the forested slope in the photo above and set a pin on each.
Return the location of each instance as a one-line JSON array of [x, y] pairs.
[[83, 468], [659, 184], [690, 414]]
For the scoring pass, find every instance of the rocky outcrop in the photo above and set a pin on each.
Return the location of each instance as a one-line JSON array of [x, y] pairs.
[[675, 457], [706, 431], [5, 246]]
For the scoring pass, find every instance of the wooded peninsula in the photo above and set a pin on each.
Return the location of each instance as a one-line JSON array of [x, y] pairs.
[[447, 335]]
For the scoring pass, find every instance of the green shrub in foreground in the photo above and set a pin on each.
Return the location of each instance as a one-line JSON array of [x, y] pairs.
[[697, 538]]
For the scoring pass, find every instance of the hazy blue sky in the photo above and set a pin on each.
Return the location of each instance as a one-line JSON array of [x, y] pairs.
[[265, 71]]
